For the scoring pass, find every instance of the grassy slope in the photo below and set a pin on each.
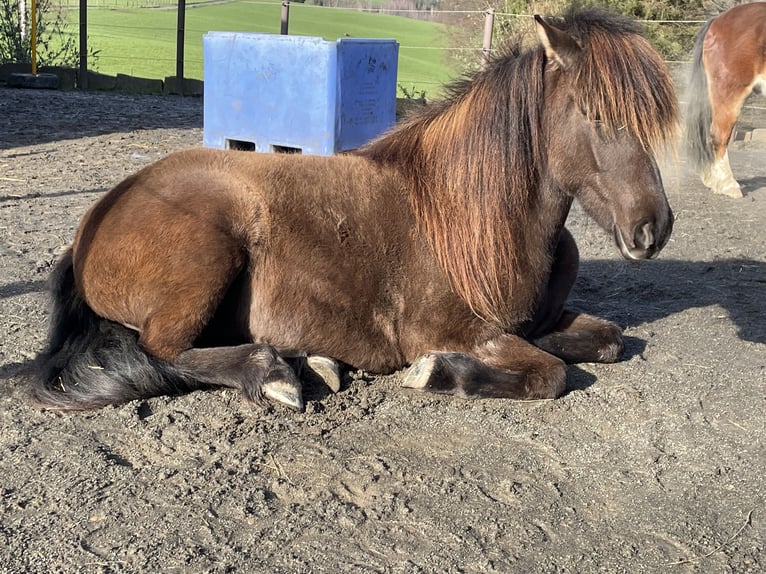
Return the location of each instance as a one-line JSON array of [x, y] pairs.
[[143, 42]]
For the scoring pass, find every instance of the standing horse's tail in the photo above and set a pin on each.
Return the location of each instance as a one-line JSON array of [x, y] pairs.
[[91, 362], [699, 113]]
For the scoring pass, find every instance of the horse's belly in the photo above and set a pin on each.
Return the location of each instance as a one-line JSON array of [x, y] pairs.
[[317, 315], [333, 286]]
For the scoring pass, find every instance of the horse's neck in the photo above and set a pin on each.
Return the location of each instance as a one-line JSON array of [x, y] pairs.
[[492, 227]]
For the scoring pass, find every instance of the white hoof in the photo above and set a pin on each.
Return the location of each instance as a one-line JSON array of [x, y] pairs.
[[326, 369], [731, 189], [284, 392], [417, 376]]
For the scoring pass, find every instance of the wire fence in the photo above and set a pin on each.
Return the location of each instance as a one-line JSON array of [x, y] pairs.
[[140, 37]]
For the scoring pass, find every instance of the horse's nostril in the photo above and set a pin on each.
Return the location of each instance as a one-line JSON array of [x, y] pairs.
[[643, 237]]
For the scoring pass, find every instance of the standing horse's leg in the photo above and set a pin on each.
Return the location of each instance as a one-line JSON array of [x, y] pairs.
[[718, 175], [727, 92]]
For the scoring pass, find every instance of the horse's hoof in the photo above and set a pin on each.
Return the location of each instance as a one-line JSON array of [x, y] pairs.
[[730, 190], [611, 353], [326, 369], [287, 393], [419, 373]]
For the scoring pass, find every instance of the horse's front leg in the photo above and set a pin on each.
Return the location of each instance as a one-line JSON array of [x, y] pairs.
[[582, 338], [504, 367], [571, 336]]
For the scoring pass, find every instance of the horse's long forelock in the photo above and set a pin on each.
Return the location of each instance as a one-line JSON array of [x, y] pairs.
[[474, 161], [622, 82]]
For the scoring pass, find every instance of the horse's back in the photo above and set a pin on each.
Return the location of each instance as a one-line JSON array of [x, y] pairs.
[[748, 20]]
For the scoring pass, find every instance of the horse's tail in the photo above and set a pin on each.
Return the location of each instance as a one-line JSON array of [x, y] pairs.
[[91, 362], [699, 113]]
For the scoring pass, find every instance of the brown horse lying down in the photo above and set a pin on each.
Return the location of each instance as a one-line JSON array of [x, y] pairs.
[[440, 245]]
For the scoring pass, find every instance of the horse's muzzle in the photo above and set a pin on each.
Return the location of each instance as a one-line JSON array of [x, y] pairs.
[[646, 241]]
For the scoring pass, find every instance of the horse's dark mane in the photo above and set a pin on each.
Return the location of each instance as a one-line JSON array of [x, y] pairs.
[[474, 161]]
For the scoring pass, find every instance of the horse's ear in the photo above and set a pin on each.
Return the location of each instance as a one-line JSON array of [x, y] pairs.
[[559, 46]]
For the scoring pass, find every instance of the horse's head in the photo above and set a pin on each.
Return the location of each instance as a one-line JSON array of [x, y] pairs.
[[609, 104]]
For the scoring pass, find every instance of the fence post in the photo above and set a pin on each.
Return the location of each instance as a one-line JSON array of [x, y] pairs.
[[285, 17], [83, 75], [180, 46], [33, 35], [486, 48]]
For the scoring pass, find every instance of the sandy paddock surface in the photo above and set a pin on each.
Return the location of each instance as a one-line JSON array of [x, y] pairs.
[[655, 464]]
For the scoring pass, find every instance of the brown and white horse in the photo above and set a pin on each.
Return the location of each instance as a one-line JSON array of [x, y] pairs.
[[441, 245], [729, 63]]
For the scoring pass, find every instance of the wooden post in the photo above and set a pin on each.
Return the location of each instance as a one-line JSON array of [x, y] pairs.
[[23, 19], [285, 17], [83, 75], [486, 48], [33, 35], [180, 46]]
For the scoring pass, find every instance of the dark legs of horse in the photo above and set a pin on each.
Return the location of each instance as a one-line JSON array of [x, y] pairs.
[[256, 370], [504, 367], [259, 371], [571, 336], [510, 366]]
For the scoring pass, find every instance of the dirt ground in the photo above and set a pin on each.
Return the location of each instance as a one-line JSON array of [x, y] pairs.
[[655, 464]]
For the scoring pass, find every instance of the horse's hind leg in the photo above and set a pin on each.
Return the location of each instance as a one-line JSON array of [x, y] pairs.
[[727, 94], [718, 175], [317, 368], [504, 367], [256, 370]]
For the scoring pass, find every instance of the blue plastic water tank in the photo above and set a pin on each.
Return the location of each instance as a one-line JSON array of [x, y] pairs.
[[273, 93]]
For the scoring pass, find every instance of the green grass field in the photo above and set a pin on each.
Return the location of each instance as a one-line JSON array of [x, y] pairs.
[[142, 42]]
